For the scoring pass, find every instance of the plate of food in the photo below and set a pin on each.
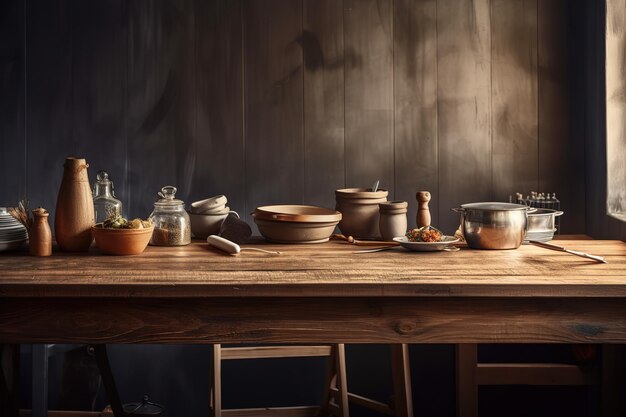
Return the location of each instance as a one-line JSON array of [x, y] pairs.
[[426, 239]]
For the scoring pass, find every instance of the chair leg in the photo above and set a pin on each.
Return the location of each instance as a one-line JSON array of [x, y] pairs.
[[329, 383], [466, 384], [216, 389], [342, 383], [401, 369]]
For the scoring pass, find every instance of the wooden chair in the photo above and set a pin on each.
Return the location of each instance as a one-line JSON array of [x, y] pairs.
[[470, 374], [336, 398]]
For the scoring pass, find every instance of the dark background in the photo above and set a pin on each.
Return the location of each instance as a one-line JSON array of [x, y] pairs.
[[283, 101]]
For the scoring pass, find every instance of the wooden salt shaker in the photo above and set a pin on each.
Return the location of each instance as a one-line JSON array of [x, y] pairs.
[[39, 235], [422, 217]]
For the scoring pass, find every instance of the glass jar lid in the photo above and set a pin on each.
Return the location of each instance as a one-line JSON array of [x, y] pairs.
[[168, 194]]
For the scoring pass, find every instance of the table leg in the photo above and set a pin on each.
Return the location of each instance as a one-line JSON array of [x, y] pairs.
[[9, 380], [40, 380], [466, 385], [613, 390]]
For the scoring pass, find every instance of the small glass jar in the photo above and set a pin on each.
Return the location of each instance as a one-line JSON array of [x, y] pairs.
[[171, 221], [104, 202]]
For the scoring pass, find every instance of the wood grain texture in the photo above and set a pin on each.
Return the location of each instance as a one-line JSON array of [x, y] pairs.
[[415, 102], [323, 50], [49, 107], [561, 144], [219, 165], [313, 320], [99, 58], [12, 134], [161, 83], [616, 107], [273, 103], [514, 116], [368, 40], [464, 105], [324, 270]]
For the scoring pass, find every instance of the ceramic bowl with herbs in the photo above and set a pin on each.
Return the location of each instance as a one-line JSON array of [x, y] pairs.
[[119, 236]]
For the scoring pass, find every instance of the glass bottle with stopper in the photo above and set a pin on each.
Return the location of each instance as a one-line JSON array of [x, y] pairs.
[[104, 202]]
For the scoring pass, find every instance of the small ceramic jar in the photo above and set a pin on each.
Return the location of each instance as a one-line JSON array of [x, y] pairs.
[[359, 210], [393, 222]]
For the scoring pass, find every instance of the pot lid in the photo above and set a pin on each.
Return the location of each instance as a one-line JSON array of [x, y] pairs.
[[494, 206]]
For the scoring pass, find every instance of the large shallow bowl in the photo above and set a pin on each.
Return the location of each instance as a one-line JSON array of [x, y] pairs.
[[296, 223], [295, 232], [122, 241]]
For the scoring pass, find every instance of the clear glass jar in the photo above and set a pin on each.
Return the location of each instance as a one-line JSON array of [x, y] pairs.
[[104, 202], [171, 221]]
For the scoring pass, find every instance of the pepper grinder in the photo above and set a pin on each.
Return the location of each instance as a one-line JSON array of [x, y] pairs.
[[423, 212]]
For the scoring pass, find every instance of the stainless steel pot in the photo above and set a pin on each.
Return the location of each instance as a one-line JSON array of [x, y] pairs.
[[542, 224], [492, 225]]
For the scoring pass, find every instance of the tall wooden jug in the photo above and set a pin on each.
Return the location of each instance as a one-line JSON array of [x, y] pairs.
[[74, 215]]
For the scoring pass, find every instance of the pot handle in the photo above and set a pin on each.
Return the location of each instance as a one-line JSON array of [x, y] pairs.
[[531, 209], [558, 213], [458, 210]]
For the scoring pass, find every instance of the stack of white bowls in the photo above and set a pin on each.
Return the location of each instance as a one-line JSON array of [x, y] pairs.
[[13, 234], [207, 216]]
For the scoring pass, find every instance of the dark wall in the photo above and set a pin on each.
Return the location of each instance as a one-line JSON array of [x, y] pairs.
[[283, 101]]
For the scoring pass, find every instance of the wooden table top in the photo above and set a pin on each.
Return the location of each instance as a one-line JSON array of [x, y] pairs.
[[323, 270]]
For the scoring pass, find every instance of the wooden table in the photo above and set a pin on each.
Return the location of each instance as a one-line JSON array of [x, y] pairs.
[[312, 294], [316, 293]]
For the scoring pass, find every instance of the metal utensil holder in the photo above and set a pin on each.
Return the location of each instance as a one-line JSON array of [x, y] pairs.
[[542, 200]]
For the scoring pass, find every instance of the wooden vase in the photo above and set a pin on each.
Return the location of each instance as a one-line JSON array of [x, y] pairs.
[[74, 215], [39, 234]]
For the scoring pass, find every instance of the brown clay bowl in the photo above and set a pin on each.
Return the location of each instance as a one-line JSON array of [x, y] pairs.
[[121, 241]]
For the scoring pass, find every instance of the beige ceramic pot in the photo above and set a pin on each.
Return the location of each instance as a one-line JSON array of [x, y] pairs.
[[203, 225], [360, 211], [393, 222], [74, 215]]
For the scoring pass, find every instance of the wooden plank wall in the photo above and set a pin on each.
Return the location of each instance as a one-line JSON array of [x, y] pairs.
[[284, 101]]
